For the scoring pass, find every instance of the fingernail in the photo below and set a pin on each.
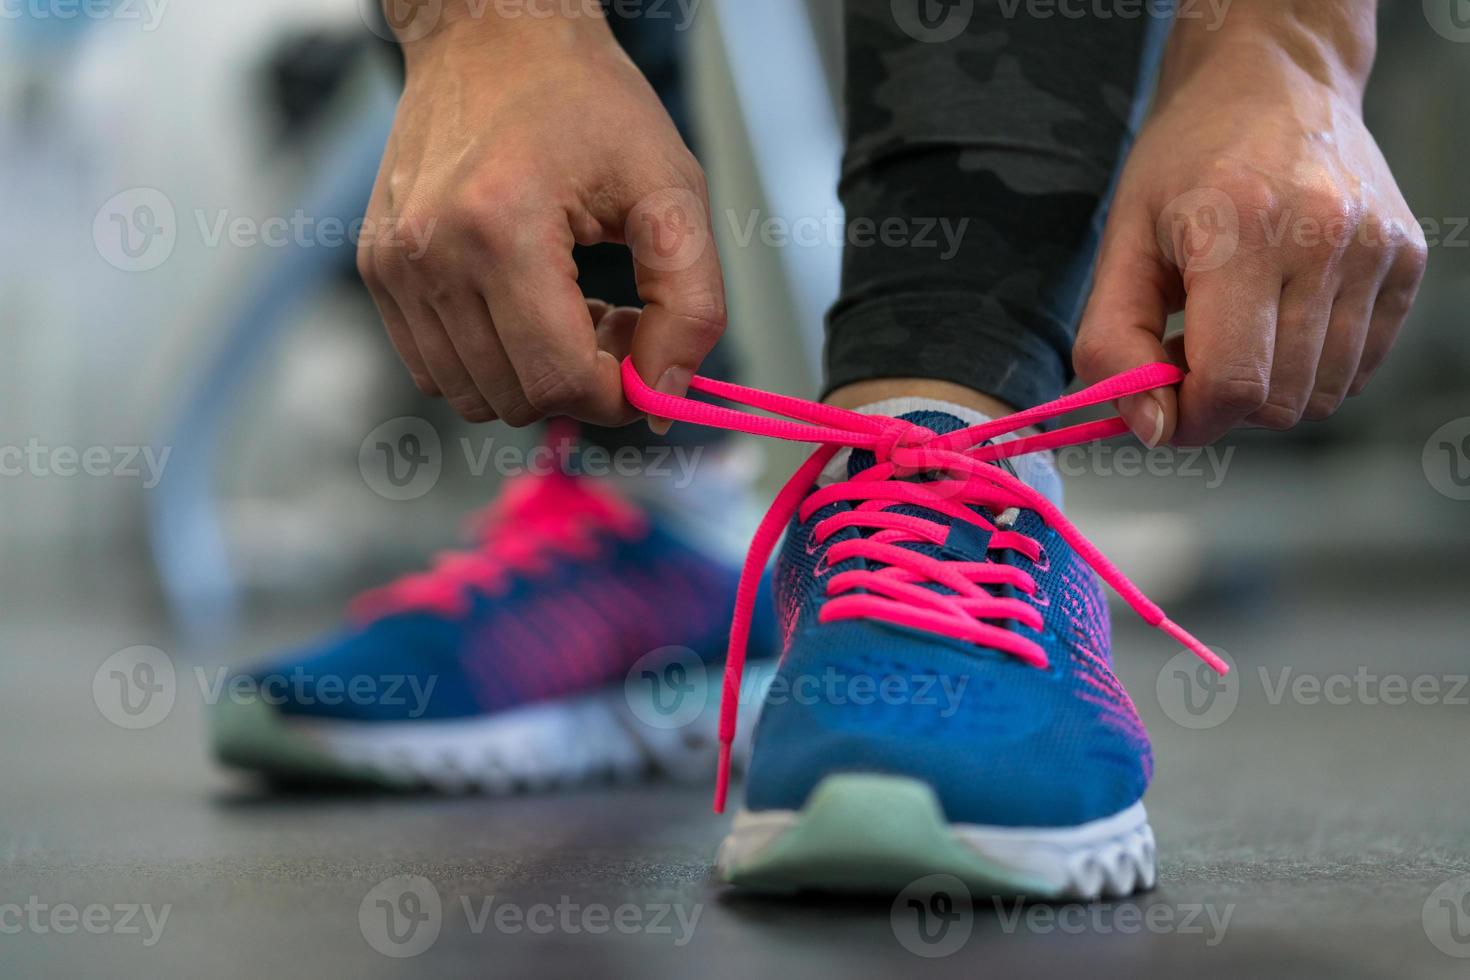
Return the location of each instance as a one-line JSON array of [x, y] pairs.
[[674, 381], [1156, 409]]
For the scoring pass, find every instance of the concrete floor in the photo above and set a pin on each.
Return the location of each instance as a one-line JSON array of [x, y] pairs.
[[1297, 839]]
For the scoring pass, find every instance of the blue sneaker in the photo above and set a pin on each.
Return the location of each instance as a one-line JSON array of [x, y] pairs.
[[945, 703], [926, 753], [538, 658]]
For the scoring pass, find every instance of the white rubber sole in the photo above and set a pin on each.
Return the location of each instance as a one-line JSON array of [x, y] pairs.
[[552, 744], [861, 832]]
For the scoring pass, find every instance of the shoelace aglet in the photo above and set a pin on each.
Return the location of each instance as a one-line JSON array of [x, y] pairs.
[[722, 776], [1179, 633]]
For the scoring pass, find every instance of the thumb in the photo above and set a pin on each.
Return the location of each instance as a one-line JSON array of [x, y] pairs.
[[1123, 328], [683, 291]]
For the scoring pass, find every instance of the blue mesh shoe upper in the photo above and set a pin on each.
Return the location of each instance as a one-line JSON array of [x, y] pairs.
[[1002, 742]]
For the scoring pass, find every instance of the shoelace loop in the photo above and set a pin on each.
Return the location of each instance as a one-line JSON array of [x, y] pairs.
[[900, 447]]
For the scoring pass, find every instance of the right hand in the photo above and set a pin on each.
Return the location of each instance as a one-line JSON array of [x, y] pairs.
[[514, 139]]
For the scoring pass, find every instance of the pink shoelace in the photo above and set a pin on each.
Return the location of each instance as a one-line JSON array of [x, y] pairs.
[[536, 517], [895, 592]]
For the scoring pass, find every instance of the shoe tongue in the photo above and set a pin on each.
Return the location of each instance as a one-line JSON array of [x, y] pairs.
[[1037, 470], [935, 421]]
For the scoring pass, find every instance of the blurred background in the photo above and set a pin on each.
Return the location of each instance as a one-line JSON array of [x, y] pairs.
[[193, 372], [238, 341]]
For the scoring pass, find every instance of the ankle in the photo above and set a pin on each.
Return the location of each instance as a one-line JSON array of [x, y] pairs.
[[861, 393]]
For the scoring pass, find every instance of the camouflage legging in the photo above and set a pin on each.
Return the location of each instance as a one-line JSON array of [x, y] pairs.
[[983, 141]]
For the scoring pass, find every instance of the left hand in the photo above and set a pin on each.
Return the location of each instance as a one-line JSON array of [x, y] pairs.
[[1256, 201]]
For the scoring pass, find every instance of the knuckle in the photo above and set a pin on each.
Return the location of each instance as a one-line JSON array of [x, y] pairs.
[[1089, 355], [707, 320], [1237, 393], [1250, 193], [1274, 415], [1323, 405], [558, 391], [413, 235], [1414, 254], [520, 415], [470, 407], [367, 268]]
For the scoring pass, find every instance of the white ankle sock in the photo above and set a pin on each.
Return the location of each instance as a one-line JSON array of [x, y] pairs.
[[1036, 470]]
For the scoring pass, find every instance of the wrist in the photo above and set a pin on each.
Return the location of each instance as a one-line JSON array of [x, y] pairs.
[[1329, 44], [428, 30]]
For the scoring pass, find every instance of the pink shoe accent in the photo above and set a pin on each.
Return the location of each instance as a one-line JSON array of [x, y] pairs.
[[535, 517], [895, 593]]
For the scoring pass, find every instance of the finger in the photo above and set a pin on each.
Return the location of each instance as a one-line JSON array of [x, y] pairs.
[[1123, 325], [545, 324], [1229, 339], [1391, 309], [683, 290], [1303, 315], [396, 325], [443, 363], [471, 330], [616, 329], [1347, 333]]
